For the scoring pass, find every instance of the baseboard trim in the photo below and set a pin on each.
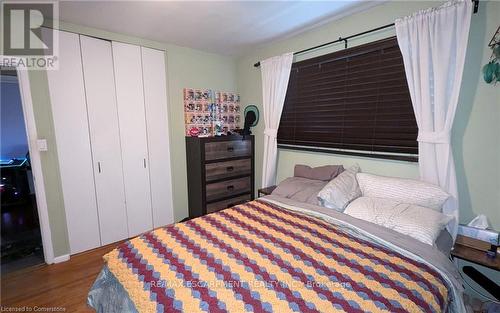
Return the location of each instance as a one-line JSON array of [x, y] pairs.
[[61, 258]]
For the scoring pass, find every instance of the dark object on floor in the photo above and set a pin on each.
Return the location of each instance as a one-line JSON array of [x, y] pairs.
[[483, 281], [21, 240]]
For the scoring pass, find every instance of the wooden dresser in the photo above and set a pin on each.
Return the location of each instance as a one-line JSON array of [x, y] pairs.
[[220, 172]]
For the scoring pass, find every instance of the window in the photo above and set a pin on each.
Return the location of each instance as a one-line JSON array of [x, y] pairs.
[[355, 101]]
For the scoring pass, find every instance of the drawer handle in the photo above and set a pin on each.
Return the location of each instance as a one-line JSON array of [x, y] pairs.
[[230, 168], [231, 187], [230, 149], [235, 203]]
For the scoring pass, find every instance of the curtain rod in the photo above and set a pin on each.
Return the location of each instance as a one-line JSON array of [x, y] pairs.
[[344, 39]]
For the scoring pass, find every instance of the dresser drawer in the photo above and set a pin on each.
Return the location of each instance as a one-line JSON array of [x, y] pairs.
[[224, 204], [221, 170], [228, 188], [227, 149]]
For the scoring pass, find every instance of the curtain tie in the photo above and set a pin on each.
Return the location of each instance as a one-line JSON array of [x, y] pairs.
[[273, 133], [434, 137]]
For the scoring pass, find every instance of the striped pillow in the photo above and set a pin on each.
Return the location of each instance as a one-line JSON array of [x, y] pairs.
[[402, 190], [415, 221]]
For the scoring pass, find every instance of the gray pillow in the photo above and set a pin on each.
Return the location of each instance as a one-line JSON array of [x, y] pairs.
[[444, 242], [300, 189], [324, 173], [343, 189]]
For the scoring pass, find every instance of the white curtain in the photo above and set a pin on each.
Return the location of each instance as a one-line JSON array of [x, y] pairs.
[[433, 43], [275, 73]]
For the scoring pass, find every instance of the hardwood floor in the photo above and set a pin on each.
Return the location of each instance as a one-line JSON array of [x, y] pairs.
[[63, 285]]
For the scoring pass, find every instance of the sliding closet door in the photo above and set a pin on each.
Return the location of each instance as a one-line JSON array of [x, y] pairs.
[[103, 119], [132, 119], [155, 99], [69, 111]]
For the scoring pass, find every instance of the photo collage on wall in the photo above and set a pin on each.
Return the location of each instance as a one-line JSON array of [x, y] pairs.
[[198, 112], [210, 113], [228, 112]]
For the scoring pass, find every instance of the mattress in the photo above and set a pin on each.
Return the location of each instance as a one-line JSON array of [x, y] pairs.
[[275, 255]]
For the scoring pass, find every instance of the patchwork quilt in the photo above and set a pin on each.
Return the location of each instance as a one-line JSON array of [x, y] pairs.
[[260, 257]]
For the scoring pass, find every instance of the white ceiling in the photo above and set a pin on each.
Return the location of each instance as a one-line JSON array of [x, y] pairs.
[[226, 27]]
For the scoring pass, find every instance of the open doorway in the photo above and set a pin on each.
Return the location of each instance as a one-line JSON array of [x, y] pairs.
[[21, 240]]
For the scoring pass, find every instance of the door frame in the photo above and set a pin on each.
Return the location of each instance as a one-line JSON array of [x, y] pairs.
[[35, 155]]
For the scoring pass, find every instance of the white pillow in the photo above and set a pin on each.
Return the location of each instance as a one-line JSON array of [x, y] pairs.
[[341, 190], [421, 223], [402, 190]]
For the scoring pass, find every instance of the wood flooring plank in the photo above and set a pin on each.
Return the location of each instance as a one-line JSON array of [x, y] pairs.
[[62, 285]]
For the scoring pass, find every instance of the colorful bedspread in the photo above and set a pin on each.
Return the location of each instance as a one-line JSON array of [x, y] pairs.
[[263, 258]]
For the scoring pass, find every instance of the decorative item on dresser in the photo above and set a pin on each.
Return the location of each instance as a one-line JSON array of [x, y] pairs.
[[220, 172]]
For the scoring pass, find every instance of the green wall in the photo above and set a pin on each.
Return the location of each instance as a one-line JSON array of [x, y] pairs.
[[50, 163], [476, 130], [185, 68]]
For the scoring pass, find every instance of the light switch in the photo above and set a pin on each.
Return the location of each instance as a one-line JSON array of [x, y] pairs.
[[42, 144]]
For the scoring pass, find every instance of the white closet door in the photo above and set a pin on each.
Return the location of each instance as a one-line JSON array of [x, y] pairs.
[[105, 137], [155, 99], [69, 113], [132, 118]]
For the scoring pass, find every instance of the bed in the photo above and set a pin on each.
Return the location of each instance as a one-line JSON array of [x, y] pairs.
[[276, 255]]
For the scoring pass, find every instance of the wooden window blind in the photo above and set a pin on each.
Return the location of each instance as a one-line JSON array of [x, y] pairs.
[[355, 101]]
